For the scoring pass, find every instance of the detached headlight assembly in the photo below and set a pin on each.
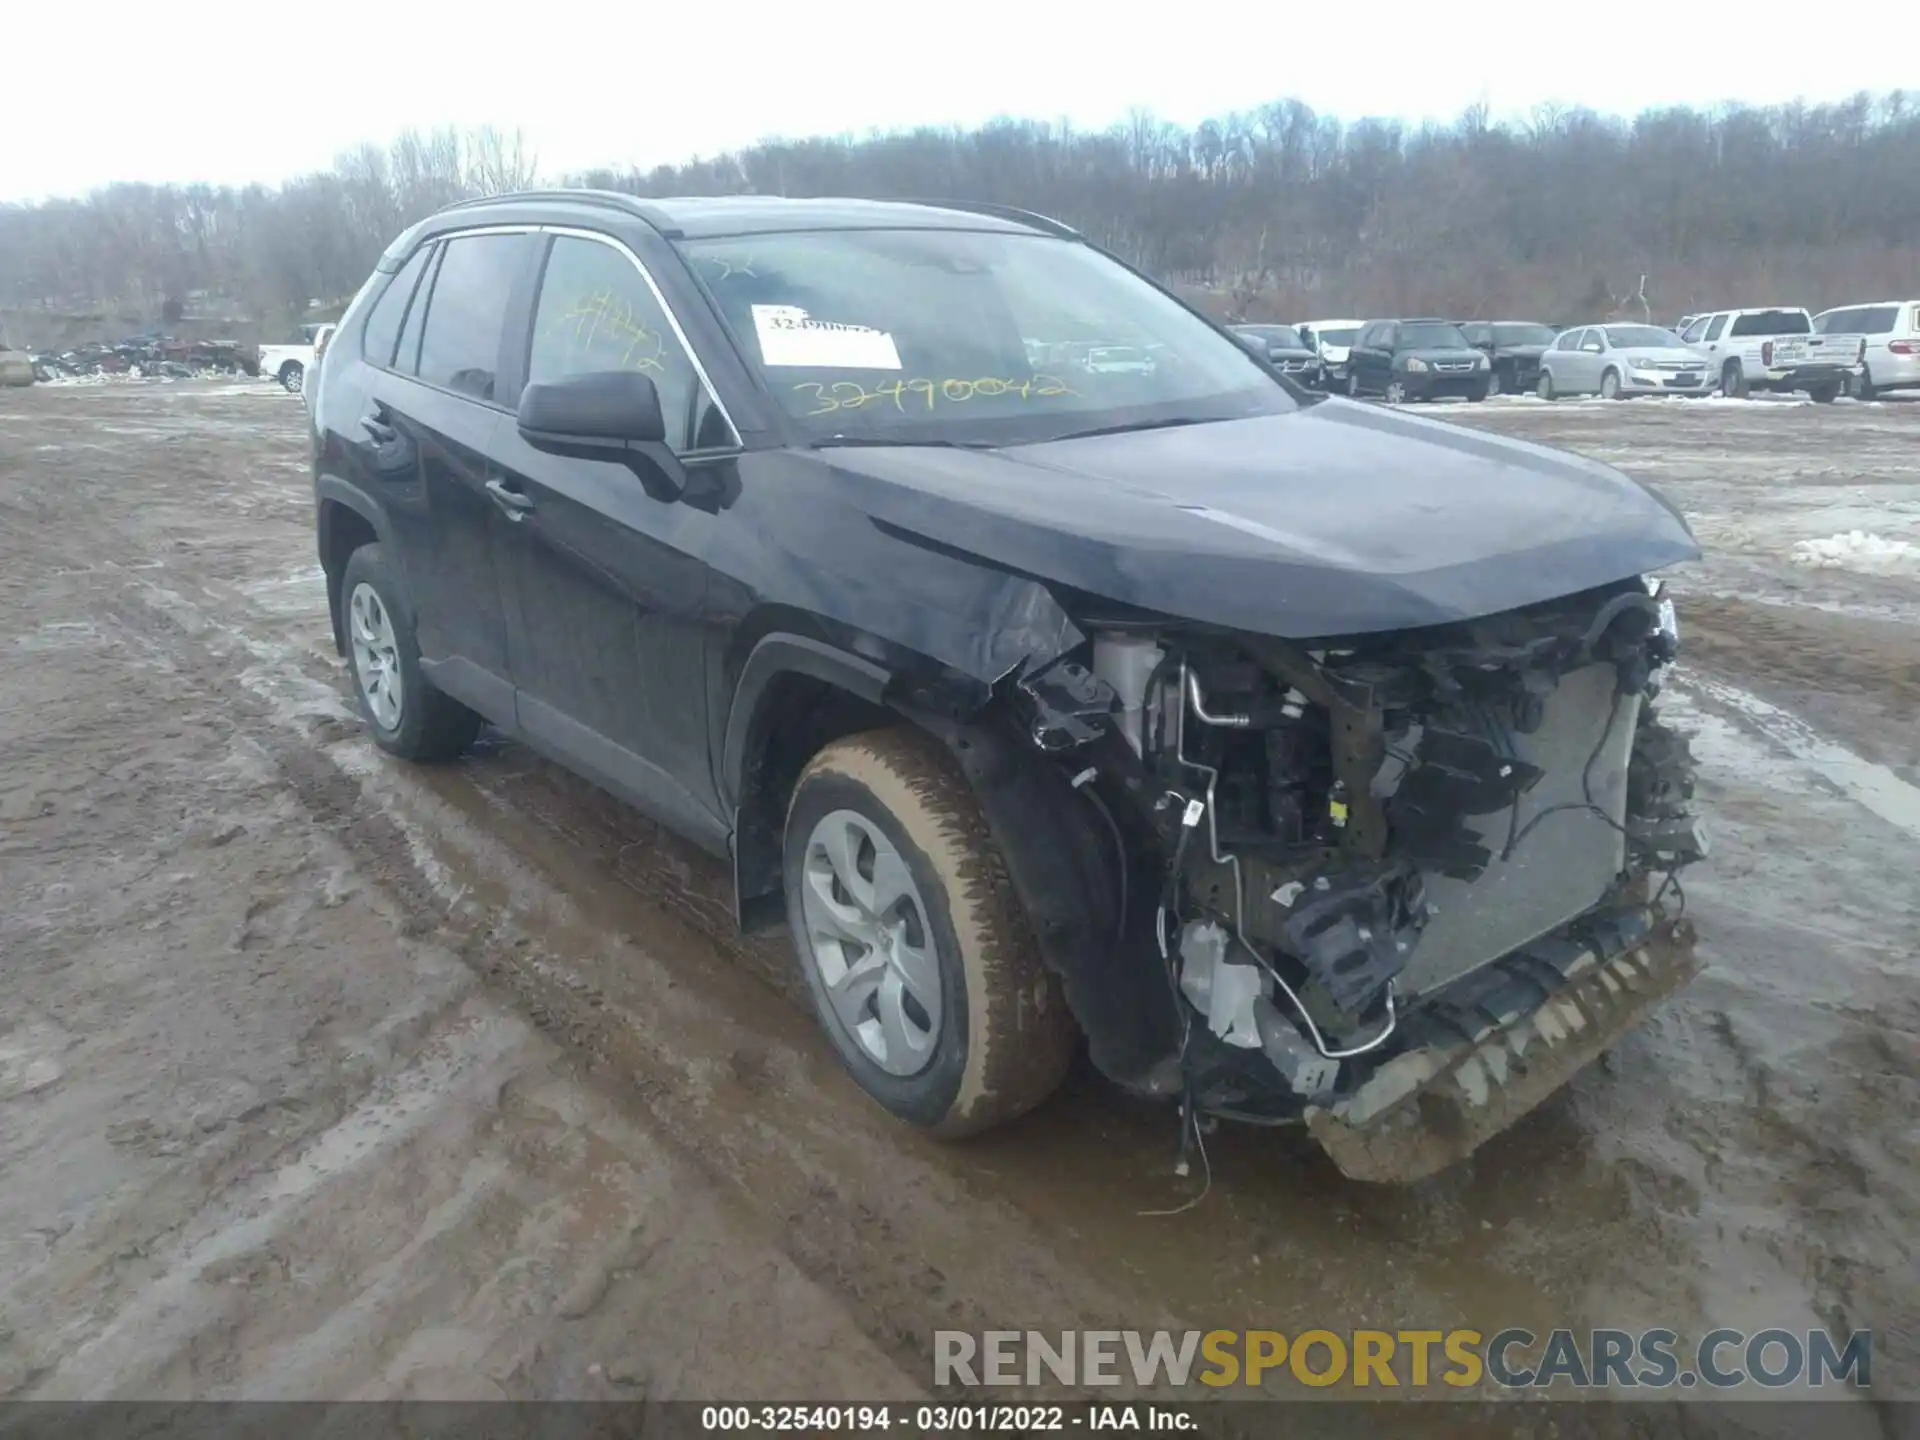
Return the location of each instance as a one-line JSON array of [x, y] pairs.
[[1414, 362]]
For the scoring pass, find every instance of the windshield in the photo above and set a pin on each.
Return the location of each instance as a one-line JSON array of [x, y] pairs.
[[1345, 335], [1627, 337], [1432, 335], [1523, 334], [970, 337], [1272, 334]]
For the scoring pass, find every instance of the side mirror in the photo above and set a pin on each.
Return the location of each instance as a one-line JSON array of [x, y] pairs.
[[602, 410], [604, 415]]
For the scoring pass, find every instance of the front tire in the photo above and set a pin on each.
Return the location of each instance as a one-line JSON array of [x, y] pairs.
[[1610, 385], [1545, 388], [1353, 385], [293, 377], [406, 715], [915, 949], [1396, 393], [1495, 382], [1733, 381]]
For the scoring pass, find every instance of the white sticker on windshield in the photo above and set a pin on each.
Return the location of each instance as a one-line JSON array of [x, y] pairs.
[[790, 336]]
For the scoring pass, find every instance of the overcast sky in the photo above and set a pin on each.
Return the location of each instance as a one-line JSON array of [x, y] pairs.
[[172, 90]]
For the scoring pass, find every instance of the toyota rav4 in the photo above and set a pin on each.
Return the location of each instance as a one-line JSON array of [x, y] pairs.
[[1296, 756]]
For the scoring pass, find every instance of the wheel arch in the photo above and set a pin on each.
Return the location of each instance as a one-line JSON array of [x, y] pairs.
[[798, 692], [344, 521]]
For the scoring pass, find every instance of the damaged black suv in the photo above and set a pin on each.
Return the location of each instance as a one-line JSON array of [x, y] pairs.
[[1048, 664]]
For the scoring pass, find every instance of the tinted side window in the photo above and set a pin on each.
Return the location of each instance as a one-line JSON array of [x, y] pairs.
[[1875, 320], [460, 348], [1694, 331], [1714, 329], [382, 332], [597, 312]]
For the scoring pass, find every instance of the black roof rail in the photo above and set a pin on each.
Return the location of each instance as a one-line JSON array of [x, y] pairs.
[[1038, 221], [609, 199]]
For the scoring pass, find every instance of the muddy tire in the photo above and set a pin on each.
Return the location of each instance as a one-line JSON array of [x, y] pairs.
[[915, 949], [404, 713]]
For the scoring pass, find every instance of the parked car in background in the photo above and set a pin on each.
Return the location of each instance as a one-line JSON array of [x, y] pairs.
[[1774, 349], [1331, 340], [1620, 360], [291, 363], [1281, 347], [1513, 349], [1118, 360], [1890, 357], [1426, 359]]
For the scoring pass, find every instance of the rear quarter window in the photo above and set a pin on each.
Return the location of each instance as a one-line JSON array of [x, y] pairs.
[[1875, 320], [382, 331]]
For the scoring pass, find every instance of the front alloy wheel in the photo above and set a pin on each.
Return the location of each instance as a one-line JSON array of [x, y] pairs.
[[914, 946], [1396, 392]]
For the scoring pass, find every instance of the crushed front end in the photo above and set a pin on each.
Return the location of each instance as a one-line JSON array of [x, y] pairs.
[[1399, 887]]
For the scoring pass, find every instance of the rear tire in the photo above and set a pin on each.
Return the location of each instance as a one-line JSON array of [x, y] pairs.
[[403, 711], [1825, 394], [943, 1012]]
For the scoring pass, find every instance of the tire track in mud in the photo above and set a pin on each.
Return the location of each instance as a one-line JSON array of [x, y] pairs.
[[905, 1260]]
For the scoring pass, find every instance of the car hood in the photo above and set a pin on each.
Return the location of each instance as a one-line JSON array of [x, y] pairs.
[[1335, 519], [1289, 352], [1520, 352]]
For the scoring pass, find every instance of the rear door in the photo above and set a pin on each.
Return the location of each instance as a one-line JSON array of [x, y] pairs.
[[438, 412], [607, 581]]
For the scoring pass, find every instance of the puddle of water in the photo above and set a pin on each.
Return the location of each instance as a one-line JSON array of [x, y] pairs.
[[1873, 786]]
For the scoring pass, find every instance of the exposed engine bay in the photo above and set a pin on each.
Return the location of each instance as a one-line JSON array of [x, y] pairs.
[[1392, 844]]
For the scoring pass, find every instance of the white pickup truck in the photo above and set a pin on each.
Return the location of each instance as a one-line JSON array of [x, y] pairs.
[[289, 364], [1774, 349]]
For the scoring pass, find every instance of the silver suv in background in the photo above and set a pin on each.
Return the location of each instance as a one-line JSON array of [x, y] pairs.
[[1774, 348], [1890, 359]]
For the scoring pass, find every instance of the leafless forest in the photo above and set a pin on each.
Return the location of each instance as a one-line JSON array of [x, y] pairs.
[[1278, 212]]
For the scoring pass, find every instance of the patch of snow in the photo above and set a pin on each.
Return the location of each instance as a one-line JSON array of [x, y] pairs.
[[1860, 551]]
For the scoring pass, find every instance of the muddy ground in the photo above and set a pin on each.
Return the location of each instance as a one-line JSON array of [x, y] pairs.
[[324, 1076]]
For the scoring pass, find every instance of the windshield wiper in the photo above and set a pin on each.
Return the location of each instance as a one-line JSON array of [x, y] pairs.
[[1128, 427], [835, 441]]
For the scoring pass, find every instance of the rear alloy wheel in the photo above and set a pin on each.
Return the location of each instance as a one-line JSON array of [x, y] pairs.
[[293, 376], [916, 951], [1610, 385], [1396, 392], [406, 714]]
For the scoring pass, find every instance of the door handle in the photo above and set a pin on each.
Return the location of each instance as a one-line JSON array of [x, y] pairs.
[[512, 502], [382, 433]]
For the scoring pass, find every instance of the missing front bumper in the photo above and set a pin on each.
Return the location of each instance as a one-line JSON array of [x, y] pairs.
[[1492, 1047]]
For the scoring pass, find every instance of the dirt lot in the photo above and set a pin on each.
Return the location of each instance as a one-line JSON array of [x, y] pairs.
[[323, 1076]]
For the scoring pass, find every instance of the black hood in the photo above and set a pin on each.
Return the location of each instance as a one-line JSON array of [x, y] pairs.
[[1520, 352], [1336, 519]]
